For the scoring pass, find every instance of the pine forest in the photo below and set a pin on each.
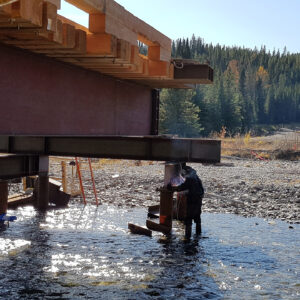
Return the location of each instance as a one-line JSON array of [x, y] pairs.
[[252, 89]]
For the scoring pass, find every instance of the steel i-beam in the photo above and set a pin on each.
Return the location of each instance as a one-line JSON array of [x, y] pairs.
[[157, 148]]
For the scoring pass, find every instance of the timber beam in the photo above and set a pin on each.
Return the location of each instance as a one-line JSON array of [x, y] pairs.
[[157, 148], [107, 16]]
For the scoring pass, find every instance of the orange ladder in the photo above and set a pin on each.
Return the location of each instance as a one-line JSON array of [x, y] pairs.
[[80, 180]]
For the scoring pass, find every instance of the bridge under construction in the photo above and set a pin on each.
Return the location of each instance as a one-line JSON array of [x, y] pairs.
[[70, 90]]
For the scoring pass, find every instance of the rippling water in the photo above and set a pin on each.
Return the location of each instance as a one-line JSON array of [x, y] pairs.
[[87, 253]]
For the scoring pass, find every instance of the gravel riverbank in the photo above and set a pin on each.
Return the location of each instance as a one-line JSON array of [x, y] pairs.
[[267, 189]]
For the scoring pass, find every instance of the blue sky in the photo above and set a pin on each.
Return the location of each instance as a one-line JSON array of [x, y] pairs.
[[249, 23]]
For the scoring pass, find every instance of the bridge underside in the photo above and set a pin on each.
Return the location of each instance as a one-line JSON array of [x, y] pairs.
[[42, 96]]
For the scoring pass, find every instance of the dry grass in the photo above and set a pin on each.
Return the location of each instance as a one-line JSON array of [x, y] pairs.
[[285, 145]]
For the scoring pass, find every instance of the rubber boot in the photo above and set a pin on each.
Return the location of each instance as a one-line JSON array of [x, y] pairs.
[[188, 232], [198, 228]]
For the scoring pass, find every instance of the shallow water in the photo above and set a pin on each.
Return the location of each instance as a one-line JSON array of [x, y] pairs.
[[88, 253]]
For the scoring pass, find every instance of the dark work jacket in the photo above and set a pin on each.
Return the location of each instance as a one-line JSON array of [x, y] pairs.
[[193, 185]]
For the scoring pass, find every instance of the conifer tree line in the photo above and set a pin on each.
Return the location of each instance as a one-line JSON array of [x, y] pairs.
[[251, 87]]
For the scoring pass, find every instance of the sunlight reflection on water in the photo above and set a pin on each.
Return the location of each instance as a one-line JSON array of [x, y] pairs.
[[83, 251]]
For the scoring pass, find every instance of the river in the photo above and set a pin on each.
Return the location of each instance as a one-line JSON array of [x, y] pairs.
[[87, 253]]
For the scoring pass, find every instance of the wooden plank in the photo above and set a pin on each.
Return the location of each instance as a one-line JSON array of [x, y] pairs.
[[88, 61], [101, 43], [105, 65], [69, 36], [154, 208], [108, 66], [89, 6], [64, 176], [24, 13], [158, 227], [54, 183], [140, 78], [120, 55], [66, 42], [80, 46], [51, 31], [57, 3], [6, 2], [111, 67], [111, 18], [159, 68], [114, 70], [135, 57], [49, 16], [158, 53], [139, 230], [127, 72], [19, 200], [115, 57], [4, 12], [154, 52], [137, 25], [123, 50], [28, 14], [150, 70], [104, 23], [32, 38]]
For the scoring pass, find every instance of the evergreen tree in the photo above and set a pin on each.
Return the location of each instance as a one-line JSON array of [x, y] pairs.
[[250, 87], [178, 114]]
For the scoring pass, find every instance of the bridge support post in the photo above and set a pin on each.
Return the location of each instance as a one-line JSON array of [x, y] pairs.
[[166, 208], [3, 197], [43, 184], [166, 202], [166, 196]]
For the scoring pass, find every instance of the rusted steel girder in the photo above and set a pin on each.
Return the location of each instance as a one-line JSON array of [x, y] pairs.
[[157, 148], [42, 96]]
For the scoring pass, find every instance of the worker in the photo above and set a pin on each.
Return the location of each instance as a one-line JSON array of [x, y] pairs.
[[194, 194]]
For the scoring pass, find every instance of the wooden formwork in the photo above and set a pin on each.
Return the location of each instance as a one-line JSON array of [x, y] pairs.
[[109, 45]]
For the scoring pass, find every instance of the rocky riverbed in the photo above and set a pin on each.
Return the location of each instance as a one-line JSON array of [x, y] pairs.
[[267, 189]]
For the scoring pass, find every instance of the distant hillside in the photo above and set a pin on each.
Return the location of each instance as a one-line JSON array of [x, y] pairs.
[[250, 87]]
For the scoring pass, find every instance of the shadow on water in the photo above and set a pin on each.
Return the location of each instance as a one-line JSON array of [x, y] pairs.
[[184, 266], [87, 252]]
